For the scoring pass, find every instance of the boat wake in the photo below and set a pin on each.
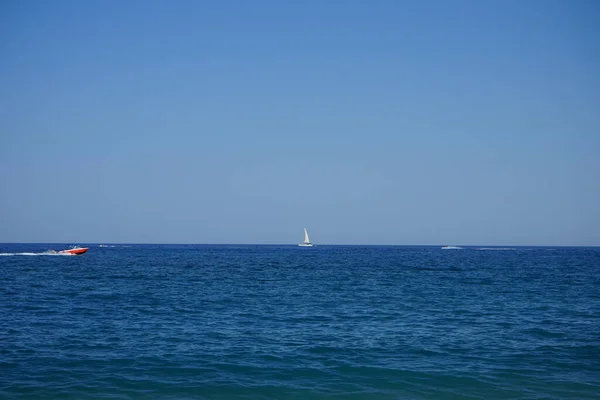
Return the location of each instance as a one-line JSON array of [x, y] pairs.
[[451, 248], [45, 253]]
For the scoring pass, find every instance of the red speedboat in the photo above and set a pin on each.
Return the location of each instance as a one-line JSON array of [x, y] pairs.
[[74, 250]]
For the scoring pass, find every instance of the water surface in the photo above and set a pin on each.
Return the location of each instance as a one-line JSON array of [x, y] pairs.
[[277, 322]]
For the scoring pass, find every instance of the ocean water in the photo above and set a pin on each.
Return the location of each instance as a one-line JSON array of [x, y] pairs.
[[284, 322]]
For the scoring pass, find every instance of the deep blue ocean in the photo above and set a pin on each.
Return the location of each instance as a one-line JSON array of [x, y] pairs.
[[285, 322]]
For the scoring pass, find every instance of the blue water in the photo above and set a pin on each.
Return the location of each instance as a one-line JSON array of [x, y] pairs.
[[283, 322]]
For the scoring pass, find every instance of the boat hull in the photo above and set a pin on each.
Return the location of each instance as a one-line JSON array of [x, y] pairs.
[[305, 245], [75, 252]]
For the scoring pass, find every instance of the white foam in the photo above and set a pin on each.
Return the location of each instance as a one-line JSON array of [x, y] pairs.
[[497, 248], [35, 254]]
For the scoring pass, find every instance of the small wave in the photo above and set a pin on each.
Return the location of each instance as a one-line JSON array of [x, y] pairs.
[[497, 248], [452, 248]]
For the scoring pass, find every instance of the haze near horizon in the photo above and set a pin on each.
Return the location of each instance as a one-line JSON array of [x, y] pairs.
[[380, 122]]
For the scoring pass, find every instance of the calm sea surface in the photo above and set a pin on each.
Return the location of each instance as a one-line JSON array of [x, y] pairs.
[[283, 322]]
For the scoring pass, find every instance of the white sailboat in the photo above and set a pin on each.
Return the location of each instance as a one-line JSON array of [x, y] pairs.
[[306, 242]]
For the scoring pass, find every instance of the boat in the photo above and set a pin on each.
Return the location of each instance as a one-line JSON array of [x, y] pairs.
[[306, 242], [74, 250], [451, 248]]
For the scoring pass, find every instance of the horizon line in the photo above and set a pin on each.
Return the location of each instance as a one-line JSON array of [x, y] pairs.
[[295, 244]]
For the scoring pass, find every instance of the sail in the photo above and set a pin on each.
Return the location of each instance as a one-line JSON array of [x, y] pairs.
[[306, 242], [306, 239]]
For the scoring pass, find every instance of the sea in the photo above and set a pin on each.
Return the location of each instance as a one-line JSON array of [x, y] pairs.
[[287, 322]]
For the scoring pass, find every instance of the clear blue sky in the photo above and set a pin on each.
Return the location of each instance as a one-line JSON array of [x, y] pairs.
[[368, 122]]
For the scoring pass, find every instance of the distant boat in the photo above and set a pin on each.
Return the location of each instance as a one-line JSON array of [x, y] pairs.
[[451, 248], [74, 250], [306, 242]]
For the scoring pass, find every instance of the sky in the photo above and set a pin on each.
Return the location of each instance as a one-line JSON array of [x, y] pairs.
[[367, 122]]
